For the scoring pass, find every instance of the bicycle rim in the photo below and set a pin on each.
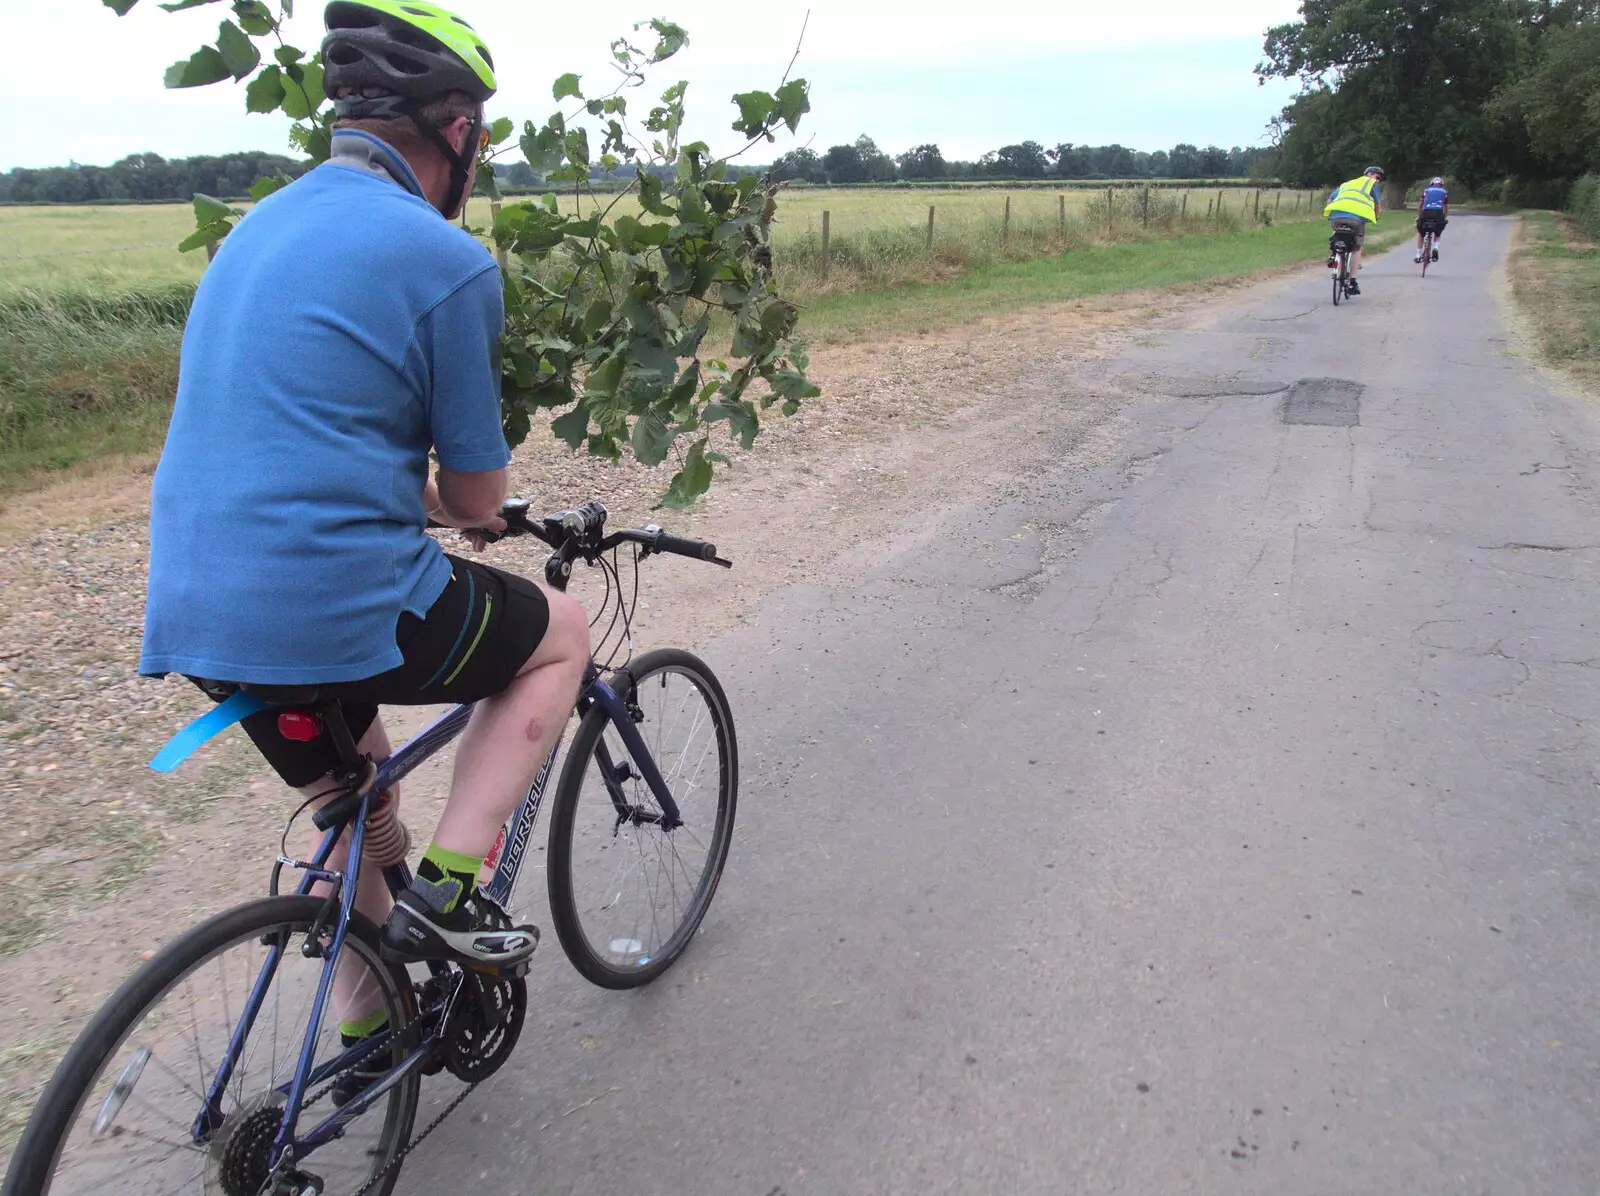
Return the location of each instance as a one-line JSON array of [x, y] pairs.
[[121, 1111], [627, 896], [1338, 282]]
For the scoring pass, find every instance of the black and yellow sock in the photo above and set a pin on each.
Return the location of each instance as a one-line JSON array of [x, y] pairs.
[[353, 1032], [446, 878]]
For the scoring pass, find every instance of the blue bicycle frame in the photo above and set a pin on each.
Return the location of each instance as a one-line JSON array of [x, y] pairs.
[[344, 884]]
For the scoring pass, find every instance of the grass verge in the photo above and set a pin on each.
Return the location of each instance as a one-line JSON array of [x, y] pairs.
[[1555, 276], [84, 376], [1093, 270]]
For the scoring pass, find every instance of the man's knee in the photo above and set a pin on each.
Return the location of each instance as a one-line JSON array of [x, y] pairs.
[[567, 633]]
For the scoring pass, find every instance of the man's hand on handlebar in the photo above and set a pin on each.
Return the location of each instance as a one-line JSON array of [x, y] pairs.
[[471, 529]]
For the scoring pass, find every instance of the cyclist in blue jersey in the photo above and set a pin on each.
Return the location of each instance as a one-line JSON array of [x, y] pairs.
[[346, 333], [1433, 212]]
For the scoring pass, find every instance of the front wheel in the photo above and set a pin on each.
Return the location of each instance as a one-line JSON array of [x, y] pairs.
[[129, 1108], [626, 896]]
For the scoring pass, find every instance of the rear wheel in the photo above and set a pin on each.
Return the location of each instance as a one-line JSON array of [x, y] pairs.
[[1338, 278], [1427, 252], [626, 895], [127, 1108]]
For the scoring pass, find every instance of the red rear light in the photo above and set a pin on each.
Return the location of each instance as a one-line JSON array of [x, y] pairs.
[[299, 726]]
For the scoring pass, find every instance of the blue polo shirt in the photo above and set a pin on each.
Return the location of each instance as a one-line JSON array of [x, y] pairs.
[[344, 330]]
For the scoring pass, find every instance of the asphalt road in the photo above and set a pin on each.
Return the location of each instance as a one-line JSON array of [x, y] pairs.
[[1223, 820]]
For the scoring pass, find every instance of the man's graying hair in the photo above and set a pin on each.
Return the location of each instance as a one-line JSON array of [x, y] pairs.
[[403, 134]]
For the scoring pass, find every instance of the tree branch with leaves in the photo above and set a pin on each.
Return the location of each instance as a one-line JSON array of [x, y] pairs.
[[608, 315]]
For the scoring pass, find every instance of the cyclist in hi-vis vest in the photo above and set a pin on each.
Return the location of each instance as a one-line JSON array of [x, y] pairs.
[[1433, 212], [1350, 208]]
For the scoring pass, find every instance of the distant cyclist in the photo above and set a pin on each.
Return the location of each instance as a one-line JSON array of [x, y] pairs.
[[1433, 213], [1351, 207]]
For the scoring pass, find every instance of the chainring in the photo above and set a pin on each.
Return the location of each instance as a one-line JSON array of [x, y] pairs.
[[485, 1025]]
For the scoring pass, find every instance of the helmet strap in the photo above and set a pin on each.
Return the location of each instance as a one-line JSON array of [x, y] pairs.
[[460, 163]]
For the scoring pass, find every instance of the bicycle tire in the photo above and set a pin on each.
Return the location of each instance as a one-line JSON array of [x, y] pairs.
[[34, 1161], [564, 906], [1338, 279], [1427, 252]]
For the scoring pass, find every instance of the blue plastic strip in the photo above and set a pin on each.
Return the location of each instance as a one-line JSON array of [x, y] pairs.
[[209, 725]]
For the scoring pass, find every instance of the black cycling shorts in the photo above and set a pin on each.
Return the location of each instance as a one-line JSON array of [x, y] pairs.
[[1431, 218], [472, 642]]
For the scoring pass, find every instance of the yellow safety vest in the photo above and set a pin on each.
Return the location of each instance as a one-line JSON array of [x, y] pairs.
[[1355, 199]]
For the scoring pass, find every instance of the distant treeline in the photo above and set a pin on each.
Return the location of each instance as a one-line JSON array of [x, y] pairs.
[[148, 178], [864, 162], [143, 178]]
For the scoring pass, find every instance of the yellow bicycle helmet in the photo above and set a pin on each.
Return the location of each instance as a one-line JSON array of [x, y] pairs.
[[388, 58]]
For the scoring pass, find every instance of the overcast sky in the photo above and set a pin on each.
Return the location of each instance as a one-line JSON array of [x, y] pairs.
[[1146, 75]]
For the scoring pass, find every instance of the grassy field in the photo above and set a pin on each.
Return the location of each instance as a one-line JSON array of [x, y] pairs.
[[1555, 274], [92, 299], [132, 246]]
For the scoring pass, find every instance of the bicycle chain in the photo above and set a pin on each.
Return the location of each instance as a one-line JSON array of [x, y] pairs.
[[394, 1163]]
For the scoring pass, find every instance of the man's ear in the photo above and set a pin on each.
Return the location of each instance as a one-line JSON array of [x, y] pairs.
[[457, 132]]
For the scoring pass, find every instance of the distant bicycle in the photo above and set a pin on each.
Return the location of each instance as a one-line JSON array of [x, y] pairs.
[[1428, 253], [215, 1069], [1342, 244]]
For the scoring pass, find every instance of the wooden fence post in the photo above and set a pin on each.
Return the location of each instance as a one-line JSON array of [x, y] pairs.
[[1219, 203], [930, 226], [499, 251], [1184, 213], [1145, 218], [1277, 201], [1005, 222], [825, 215], [1061, 215], [1111, 205]]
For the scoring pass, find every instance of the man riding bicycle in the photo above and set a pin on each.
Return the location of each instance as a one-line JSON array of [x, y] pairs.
[[345, 330], [1433, 213], [1351, 207]]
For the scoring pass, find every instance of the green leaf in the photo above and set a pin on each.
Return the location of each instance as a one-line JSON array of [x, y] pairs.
[[693, 480], [120, 7], [238, 52], [542, 148], [204, 66], [741, 418], [515, 424], [754, 108], [265, 186], [650, 195], [566, 86], [204, 235], [254, 17], [208, 209], [576, 144], [671, 39], [288, 55], [180, 5], [573, 427], [597, 317], [500, 129], [792, 102], [265, 92], [603, 379], [680, 399], [652, 437], [303, 94]]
